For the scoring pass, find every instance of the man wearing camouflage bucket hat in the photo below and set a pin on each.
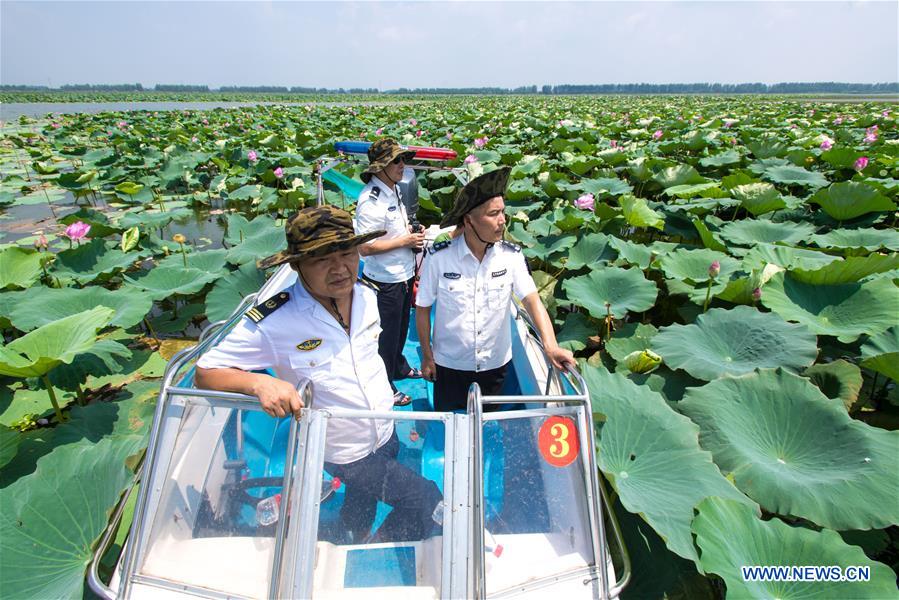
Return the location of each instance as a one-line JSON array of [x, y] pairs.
[[324, 328], [390, 259], [472, 278]]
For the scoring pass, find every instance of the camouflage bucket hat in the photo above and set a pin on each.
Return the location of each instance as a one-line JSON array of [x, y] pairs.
[[476, 192], [316, 232], [383, 152]]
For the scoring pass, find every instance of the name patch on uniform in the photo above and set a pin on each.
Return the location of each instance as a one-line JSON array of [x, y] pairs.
[[309, 344], [452, 275], [391, 209], [499, 273]]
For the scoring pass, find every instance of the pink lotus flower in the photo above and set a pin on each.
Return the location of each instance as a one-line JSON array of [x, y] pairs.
[[861, 163], [413, 122], [657, 135], [885, 114], [55, 125], [41, 242], [121, 124], [471, 158], [205, 122], [870, 137], [77, 231], [279, 172], [756, 294], [614, 144], [585, 202], [449, 135], [838, 121], [480, 142], [826, 145], [194, 139], [714, 269], [419, 133], [251, 156], [379, 131]]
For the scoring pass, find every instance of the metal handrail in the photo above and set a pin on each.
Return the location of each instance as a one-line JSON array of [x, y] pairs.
[[478, 587], [597, 526], [93, 575]]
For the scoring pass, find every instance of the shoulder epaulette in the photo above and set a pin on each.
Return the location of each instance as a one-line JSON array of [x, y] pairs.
[[437, 247], [368, 283], [261, 311], [374, 193], [511, 246]]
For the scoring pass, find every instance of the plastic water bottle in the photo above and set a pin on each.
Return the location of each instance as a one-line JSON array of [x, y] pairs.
[[267, 510], [437, 515]]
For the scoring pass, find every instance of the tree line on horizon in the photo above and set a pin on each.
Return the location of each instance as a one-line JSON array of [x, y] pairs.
[[825, 87]]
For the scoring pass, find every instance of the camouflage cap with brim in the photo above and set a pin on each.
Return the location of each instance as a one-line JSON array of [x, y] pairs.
[[318, 231], [476, 192], [383, 152]]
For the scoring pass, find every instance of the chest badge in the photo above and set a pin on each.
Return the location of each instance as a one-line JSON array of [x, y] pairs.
[[392, 208], [309, 344], [452, 275], [499, 273]]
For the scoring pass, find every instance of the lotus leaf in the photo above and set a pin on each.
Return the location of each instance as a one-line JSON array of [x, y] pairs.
[[20, 267], [209, 261], [759, 198], [786, 257], [130, 238], [590, 249], [881, 353], [141, 364], [750, 232], [639, 254], [638, 213], [9, 444], [732, 342], [21, 403], [253, 240], [230, 291], [709, 240], [850, 270], [575, 331], [623, 290], [797, 452], [91, 261], [793, 175], [163, 282], [548, 245], [867, 239], [838, 379], [40, 306], [845, 311], [52, 517], [651, 455], [841, 158], [693, 190], [730, 536], [678, 175], [693, 265], [611, 186], [60, 341], [149, 218], [850, 199], [722, 159]]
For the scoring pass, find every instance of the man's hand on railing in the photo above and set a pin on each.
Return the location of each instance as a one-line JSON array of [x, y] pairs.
[[561, 358], [277, 397]]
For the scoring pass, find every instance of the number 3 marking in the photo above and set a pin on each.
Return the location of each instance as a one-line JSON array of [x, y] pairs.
[[558, 441]]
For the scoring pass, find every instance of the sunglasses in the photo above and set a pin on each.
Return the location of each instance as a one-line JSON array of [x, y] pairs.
[[399, 159]]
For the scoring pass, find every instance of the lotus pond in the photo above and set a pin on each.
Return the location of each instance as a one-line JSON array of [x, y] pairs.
[[725, 269]]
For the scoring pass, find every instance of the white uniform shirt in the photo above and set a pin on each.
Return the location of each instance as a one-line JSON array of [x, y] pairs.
[[345, 372], [471, 327], [384, 209]]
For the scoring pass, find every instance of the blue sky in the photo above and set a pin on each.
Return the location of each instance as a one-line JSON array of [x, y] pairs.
[[445, 44]]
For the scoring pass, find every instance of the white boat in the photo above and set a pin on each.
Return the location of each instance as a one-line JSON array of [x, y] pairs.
[[234, 503]]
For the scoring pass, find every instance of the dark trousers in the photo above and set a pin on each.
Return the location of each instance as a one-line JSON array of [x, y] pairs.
[[394, 305], [451, 386], [379, 476]]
